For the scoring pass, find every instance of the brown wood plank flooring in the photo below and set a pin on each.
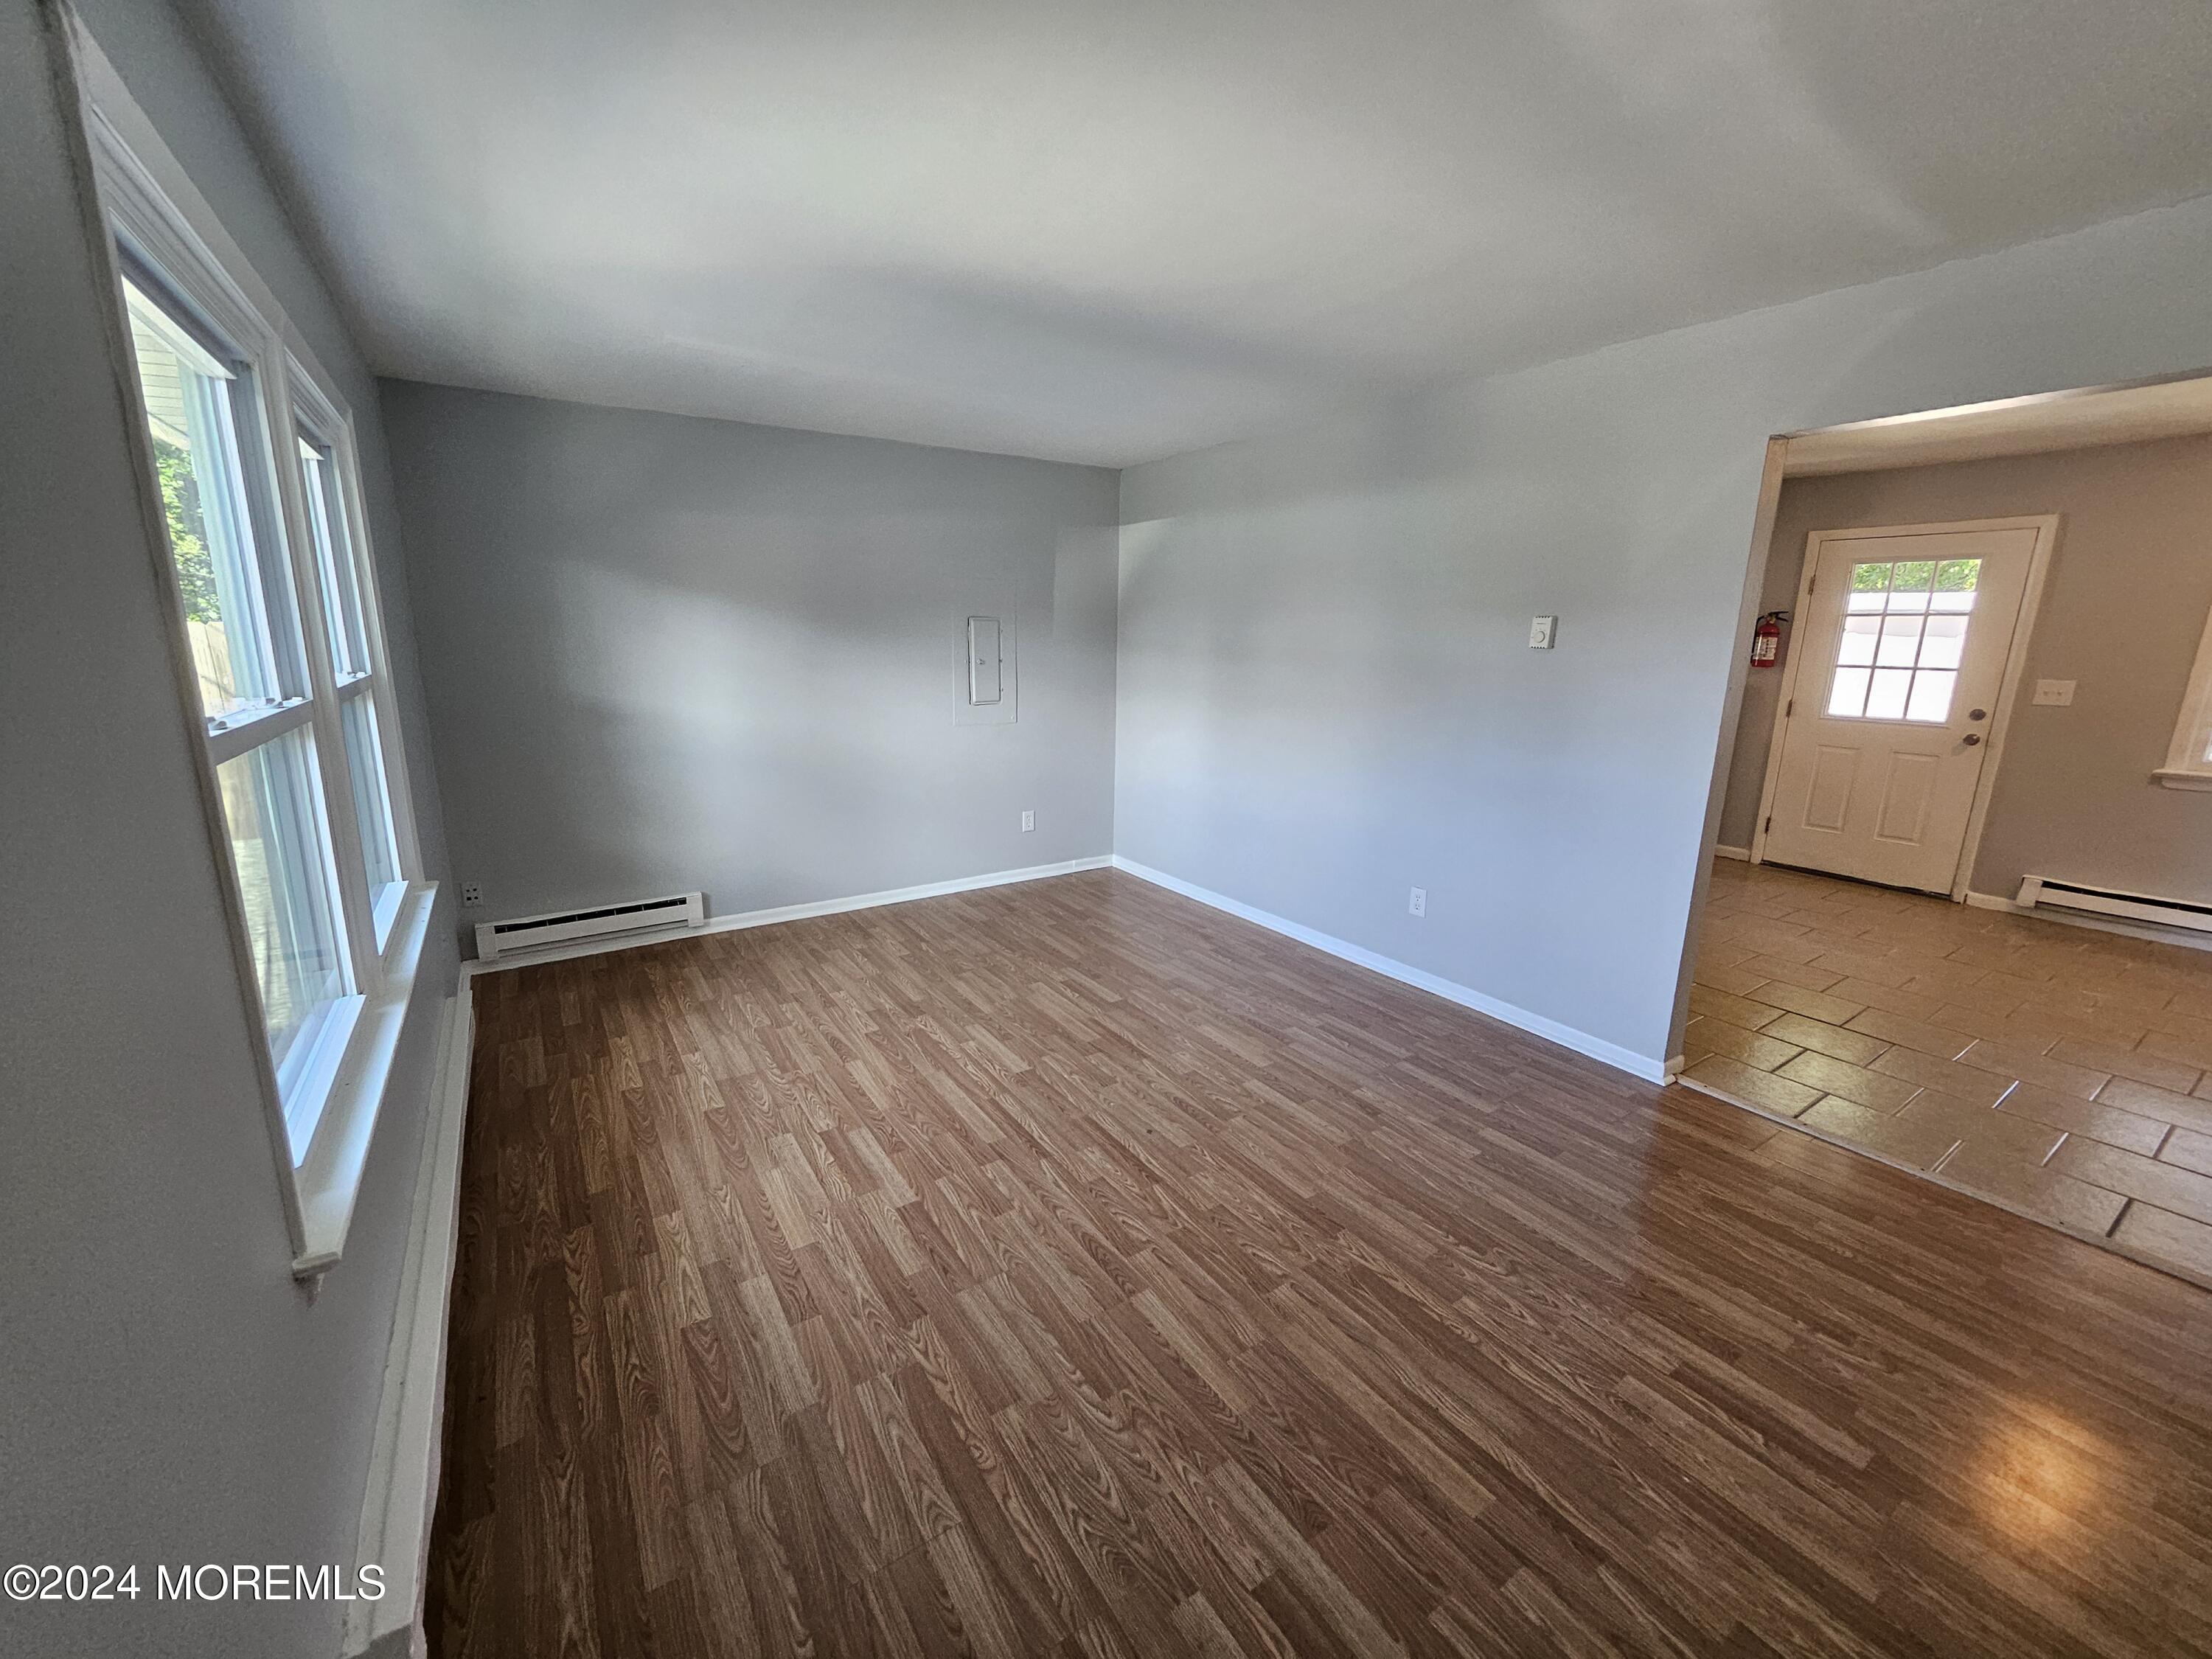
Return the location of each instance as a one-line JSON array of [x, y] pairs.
[[1066, 1269]]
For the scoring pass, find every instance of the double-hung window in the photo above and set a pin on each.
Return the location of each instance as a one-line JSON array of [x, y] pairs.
[[257, 692], [355, 678], [280, 646]]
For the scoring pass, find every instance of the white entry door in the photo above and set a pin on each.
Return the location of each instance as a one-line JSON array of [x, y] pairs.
[[1900, 652]]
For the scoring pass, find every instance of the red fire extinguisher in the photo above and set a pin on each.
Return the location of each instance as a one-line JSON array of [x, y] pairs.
[[1766, 639]]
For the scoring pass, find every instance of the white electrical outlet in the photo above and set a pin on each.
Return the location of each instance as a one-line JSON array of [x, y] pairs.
[[472, 895], [1542, 632], [2055, 694], [1029, 821], [1417, 903]]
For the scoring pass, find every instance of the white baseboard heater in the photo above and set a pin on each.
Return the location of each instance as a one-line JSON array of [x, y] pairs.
[[496, 938], [2111, 902]]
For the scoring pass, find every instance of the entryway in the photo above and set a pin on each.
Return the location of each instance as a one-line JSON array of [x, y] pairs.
[[1984, 671]]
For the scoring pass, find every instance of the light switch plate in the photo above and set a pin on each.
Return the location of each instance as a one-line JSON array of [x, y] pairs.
[[2058, 693], [1542, 632]]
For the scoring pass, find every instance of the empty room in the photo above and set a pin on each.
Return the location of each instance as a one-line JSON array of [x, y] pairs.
[[1105, 830]]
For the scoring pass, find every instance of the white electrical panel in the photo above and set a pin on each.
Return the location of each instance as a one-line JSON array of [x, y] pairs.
[[984, 679], [983, 662]]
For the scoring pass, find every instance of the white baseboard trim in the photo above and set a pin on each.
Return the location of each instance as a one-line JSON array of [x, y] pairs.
[[743, 919], [1740, 855], [403, 1467], [2187, 938], [1636, 1065]]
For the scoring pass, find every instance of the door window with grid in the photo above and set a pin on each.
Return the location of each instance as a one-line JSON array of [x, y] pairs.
[[1903, 639]]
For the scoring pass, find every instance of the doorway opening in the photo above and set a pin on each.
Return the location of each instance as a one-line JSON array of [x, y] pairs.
[[1980, 642]]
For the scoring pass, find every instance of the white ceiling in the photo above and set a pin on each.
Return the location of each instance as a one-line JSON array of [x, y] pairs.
[[1107, 230]]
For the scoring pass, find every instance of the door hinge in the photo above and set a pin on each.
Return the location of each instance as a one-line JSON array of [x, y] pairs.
[[1769, 829], [1789, 708]]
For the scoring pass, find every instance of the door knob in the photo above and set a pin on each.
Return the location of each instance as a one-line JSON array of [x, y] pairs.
[[1978, 713], [1970, 739]]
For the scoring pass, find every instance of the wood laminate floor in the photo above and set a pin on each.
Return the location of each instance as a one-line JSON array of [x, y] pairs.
[[1066, 1269]]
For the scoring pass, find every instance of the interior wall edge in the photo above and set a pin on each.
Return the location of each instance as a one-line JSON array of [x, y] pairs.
[[1552, 1030]]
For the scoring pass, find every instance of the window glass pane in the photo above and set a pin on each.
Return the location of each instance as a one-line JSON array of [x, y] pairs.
[[372, 804], [1886, 695], [1857, 645], [334, 554], [1869, 586], [1944, 643], [1931, 695], [1912, 577], [1901, 640], [274, 811], [236, 652], [1956, 580], [1908, 602], [1847, 694]]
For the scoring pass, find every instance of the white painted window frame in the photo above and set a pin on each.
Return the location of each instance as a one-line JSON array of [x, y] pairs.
[[319, 416], [2186, 765], [145, 205]]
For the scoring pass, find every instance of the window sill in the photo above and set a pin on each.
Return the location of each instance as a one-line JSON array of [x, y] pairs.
[[307, 1078], [2174, 777], [328, 1179], [384, 906]]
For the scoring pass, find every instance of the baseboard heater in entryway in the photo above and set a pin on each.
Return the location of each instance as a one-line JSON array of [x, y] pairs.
[[2111, 901], [496, 939]]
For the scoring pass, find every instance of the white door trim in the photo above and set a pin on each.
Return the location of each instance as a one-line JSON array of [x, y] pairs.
[[2045, 525]]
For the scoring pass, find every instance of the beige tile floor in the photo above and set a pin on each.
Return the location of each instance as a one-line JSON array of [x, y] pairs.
[[2062, 1072]]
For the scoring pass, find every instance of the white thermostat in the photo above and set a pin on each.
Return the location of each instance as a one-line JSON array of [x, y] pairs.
[[1542, 632]]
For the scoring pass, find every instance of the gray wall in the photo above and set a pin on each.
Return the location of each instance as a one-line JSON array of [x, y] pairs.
[[165, 1392], [2123, 612], [665, 653], [1326, 696]]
